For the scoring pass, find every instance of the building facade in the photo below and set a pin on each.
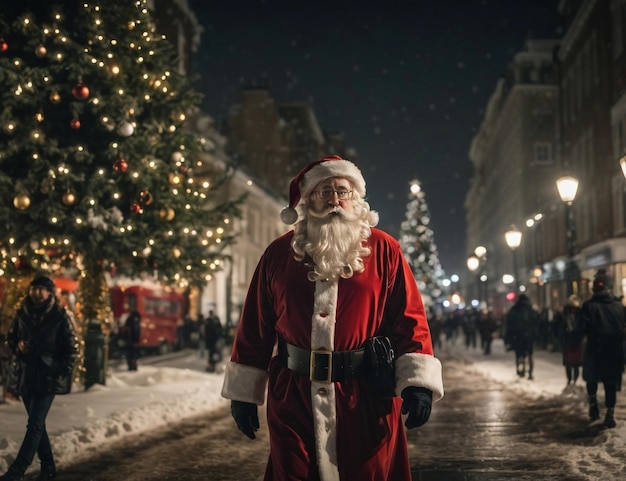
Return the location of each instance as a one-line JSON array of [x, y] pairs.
[[513, 163], [579, 132]]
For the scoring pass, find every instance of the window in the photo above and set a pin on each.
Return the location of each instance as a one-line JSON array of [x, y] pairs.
[[543, 153]]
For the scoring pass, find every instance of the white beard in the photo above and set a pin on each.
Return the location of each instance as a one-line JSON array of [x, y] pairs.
[[334, 241]]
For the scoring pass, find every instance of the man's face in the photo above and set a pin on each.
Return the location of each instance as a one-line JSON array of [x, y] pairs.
[[330, 194], [39, 294]]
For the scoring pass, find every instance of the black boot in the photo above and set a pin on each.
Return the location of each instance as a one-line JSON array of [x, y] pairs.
[[594, 411], [11, 475], [48, 471], [609, 418]]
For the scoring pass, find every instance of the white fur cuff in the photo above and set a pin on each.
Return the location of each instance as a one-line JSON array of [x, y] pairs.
[[244, 383], [421, 370]]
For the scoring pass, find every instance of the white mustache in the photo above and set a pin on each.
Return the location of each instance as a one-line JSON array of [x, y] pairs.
[[330, 210]]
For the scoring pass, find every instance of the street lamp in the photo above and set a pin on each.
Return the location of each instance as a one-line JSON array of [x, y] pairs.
[[568, 187], [513, 238], [481, 252], [473, 262]]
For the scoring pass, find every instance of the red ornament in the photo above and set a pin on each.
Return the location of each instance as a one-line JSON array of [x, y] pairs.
[[136, 208], [4, 46], [120, 165], [80, 91], [75, 124]]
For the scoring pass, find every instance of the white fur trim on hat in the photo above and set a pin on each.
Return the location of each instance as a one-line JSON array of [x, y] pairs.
[[316, 172], [337, 168]]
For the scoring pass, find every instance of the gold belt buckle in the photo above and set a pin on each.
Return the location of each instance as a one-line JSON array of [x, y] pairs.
[[329, 376]]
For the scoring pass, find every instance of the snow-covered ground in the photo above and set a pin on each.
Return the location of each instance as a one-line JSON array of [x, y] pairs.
[[132, 402]]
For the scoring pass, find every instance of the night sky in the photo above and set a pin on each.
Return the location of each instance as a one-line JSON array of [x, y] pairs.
[[406, 81]]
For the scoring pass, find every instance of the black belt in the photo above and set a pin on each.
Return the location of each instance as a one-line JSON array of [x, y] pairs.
[[320, 365]]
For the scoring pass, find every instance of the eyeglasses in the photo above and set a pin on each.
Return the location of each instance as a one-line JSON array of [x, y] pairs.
[[342, 194]]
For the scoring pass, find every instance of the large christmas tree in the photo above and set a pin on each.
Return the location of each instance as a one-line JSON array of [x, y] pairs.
[[417, 240], [96, 167]]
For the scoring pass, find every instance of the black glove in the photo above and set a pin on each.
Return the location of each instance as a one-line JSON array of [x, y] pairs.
[[417, 403], [246, 416]]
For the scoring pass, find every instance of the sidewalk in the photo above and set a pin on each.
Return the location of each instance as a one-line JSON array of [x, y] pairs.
[[131, 402]]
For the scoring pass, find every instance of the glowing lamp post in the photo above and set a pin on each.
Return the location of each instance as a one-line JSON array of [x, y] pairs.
[[481, 252], [473, 263], [568, 187], [513, 239]]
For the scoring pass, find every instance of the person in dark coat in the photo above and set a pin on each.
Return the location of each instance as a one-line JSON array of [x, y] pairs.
[[43, 339], [571, 343], [602, 322], [521, 328], [132, 335], [213, 334], [487, 326]]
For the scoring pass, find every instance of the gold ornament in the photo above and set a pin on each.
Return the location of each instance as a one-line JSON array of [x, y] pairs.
[[68, 198], [41, 51], [145, 197], [55, 98], [170, 214], [21, 201], [176, 252]]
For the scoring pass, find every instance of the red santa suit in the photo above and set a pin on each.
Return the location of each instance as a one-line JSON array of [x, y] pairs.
[[340, 430]]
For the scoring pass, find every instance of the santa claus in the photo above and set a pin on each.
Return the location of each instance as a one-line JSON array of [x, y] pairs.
[[319, 293]]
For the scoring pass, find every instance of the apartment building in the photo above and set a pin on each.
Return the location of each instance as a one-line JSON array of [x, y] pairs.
[[580, 132]]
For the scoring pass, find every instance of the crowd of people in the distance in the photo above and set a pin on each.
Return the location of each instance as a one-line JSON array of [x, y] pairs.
[[589, 335], [475, 328]]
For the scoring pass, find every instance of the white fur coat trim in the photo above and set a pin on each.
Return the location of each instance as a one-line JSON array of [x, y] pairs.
[[244, 383], [420, 370], [323, 395]]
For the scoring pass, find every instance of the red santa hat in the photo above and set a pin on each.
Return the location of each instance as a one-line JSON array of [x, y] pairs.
[[314, 173]]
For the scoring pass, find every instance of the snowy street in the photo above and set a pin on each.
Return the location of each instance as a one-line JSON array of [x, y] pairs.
[[491, 425]]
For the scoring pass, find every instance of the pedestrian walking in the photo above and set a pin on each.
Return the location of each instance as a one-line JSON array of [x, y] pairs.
[[131, 332], [435, 323], [569, 339], [339, 297], [602, 323], [470, 327], [521, 329], [213, 335], [487, 326], [201, 337], [42, 338]]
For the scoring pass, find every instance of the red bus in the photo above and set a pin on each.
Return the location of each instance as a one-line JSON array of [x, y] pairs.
[[162, 312]]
